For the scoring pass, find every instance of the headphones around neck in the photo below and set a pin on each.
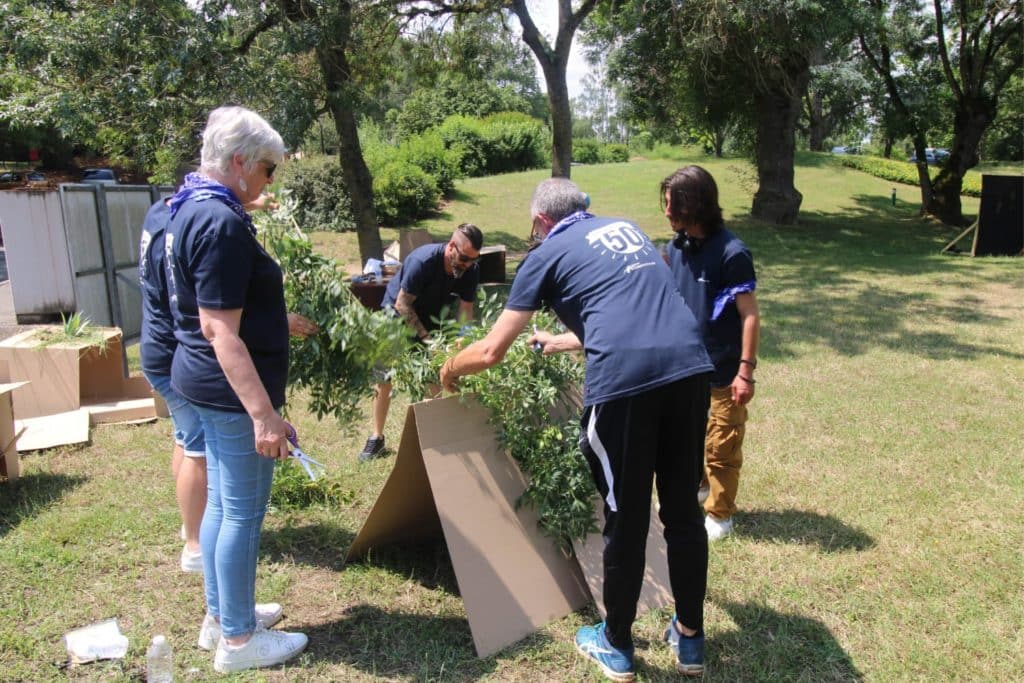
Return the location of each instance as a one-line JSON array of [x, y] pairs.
[[687, 243]]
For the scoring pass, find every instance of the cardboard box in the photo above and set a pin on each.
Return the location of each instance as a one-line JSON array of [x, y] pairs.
[[408, 239], [10, 463], [67, 375], [492, 264]]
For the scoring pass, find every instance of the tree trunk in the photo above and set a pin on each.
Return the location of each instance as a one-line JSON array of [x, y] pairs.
[[887, 151], [971, 121], [358, 183], [924, 179], [817, 127], [777, 199], [561, 119]]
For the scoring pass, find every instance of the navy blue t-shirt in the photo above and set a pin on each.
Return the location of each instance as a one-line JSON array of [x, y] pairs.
[[720, 262], [214, 261], [157, 344], [608, 284], [423, 276]]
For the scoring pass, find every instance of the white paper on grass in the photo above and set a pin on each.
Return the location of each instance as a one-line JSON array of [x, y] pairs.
[[102, 640]]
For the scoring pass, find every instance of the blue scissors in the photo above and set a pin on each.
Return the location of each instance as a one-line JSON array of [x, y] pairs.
[[312, 467]]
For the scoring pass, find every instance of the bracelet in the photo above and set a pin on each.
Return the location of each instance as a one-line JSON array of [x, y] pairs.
[[748, 380], [751, 363]]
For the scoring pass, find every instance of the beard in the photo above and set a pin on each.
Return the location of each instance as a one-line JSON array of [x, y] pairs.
[[458, 269]]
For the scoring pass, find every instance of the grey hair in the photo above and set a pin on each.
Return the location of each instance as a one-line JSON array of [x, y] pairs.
[[556, 198], [237, 130]]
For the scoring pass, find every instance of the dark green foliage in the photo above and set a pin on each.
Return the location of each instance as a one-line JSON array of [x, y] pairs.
[[293, 489], [428, 152], [586, 150], [464, 135], [904, 172], [514, 142], [591, 151], [336, 365], [403, 192], [316, 184], [614, 153]]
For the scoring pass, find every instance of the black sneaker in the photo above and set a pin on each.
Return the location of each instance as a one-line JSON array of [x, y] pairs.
[[374, 448]]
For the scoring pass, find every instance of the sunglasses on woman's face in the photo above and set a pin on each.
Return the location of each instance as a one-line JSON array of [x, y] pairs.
[[269, 168], [462, 257]]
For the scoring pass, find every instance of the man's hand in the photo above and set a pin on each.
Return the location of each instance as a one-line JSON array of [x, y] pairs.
[[449, 380], [742, 389], [271, 435], [554, 343], [301, 326]]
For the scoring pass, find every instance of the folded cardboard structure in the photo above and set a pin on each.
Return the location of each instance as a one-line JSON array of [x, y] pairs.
[[451, 478], [10, 465], [68, 385]]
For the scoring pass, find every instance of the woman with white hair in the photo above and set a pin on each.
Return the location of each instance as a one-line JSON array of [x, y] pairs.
[[231, 364]]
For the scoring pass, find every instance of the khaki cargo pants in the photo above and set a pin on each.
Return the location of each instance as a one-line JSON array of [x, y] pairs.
[[723, 452]]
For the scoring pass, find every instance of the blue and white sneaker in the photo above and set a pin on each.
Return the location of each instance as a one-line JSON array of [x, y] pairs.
[[689, 651], [616, 664]]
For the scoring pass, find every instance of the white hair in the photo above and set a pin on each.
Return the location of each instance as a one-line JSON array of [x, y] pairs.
[[237, 130], [556, 198]]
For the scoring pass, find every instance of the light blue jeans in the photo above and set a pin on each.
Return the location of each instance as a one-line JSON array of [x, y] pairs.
[[188, 431], [238, 490]]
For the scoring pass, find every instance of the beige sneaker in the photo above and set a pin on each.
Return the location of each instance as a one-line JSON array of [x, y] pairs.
[[267, 614], [265, 648], [191, 562]]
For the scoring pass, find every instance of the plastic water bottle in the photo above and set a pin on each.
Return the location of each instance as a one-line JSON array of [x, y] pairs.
[[159, 668]]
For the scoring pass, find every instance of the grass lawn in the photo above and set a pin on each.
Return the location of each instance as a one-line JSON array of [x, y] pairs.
[[881, 520]]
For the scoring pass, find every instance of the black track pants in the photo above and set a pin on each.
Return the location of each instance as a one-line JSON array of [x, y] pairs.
[[628, 442]]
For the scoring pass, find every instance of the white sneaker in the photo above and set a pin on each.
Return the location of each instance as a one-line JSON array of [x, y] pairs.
[[265, 648], [702, 494], [267, 614], [717, 528], [191, 562]]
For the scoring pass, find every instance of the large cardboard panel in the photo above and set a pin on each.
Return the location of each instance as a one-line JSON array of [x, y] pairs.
[[404, 510], [656, 591], [512, 578], [127, 410], [10, 463], [50, 431]]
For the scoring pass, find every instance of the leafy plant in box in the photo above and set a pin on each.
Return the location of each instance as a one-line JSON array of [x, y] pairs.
[[337, 364]]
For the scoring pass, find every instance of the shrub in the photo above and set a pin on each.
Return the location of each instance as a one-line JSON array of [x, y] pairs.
[[403, 192], [464, 136], [292, 488], [905, 172], [586, 151], [316, 184], [642, 141], [429, 153], [514, 142], [614, 153]]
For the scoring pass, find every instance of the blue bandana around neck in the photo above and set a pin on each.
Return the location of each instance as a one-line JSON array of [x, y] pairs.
[[561, 225], [198, 187]]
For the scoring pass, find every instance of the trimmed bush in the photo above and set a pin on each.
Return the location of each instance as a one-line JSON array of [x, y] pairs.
[[316, 183], [614, 153], [464, 136], [905, 172], [428, 151], [586, 151], [514, 142], [403, 192]]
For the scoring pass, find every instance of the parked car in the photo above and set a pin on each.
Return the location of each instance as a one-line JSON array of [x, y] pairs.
[[932, 155], [99, 176], [849, 149], [12, 177], [34, 176]]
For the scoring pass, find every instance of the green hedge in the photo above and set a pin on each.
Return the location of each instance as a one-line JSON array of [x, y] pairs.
[[592, 151], [905, 172], [403, 192]]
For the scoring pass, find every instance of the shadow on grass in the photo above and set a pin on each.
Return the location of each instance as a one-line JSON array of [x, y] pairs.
[[774, 646], [427, 563], [318, 545], [799, 526], [393, 644], [835, 282], [32, 494]]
